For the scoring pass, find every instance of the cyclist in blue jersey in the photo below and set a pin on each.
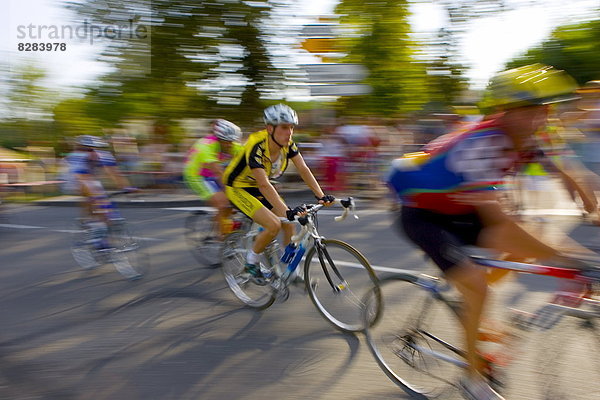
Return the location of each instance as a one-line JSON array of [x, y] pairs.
[[449, 198], [82, 177]]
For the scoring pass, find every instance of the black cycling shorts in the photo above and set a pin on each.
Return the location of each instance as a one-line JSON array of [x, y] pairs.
[[441, 236]]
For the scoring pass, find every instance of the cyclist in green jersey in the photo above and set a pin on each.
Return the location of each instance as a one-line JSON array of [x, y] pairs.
[[206, 161]]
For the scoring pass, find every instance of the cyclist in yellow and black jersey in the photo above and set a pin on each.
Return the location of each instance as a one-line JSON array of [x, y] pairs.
[[266, 155], [257, 155]]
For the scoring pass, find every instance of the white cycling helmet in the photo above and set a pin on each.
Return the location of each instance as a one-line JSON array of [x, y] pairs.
[[90, 141], [226, 130], [280, 114]]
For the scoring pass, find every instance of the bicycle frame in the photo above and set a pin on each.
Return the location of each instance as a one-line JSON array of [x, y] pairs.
[[545, 318], [303, 238]]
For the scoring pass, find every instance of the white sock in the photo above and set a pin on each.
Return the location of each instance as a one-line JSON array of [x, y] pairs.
[[252, 257]]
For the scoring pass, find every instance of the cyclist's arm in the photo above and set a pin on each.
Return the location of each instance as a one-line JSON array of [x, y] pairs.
[[307, 175], [116, 177], [574, 178], [216, 169], [267, 190]]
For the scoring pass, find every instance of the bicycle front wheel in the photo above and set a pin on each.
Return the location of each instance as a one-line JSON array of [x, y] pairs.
[[202, 235], [337, 279], [233, 259], [83, 250], [414, 339], [126, 254]]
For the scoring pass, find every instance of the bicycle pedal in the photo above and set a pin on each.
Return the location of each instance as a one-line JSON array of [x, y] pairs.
[[258, 280], [283, 294]]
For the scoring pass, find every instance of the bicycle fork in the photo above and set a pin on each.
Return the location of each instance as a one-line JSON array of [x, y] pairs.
[[322, 250]]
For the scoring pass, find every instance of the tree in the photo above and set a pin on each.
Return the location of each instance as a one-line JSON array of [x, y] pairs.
[[573, 48], [381, 42], [200, 58], [28, 106]]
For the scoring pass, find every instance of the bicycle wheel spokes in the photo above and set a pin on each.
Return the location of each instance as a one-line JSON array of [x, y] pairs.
[[338, 277], [82, 249], [408, 340], [201, 234], [125, 253], [233, 260]]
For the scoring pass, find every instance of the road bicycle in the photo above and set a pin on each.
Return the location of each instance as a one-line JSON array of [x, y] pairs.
[[417, 339], [336, 275], [203, 234], [115, 245]]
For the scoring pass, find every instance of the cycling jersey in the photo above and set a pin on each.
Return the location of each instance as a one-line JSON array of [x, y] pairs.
[[206, 151], [256, 154], [87, 162], [473, 160]]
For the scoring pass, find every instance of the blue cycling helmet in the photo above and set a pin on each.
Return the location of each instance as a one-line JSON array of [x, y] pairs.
[[90, 141]]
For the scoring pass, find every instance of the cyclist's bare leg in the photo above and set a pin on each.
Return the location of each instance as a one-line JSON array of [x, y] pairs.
[[88, 204], [288, 231], [271, 225], [470, 281], [502, 233], [221, 203]]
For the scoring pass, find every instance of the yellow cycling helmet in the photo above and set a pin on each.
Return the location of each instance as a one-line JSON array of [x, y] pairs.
[[533, 84]]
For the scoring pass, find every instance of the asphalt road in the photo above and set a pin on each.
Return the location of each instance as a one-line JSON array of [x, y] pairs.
[[180, 334]]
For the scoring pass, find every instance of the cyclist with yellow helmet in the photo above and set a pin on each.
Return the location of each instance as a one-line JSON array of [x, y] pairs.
[[449, 198]]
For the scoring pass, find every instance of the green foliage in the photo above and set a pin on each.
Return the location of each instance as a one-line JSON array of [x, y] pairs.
[[381, 43], [573, 48], [203, 58]]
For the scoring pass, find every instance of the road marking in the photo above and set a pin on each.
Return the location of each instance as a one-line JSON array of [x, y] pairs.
[[375, 267], [71, 231], [334, 211], [20, 226], [553, 211], [190, 209]]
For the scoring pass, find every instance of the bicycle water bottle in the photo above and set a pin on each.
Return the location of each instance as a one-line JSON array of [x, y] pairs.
[[288, 253], [297, 257]]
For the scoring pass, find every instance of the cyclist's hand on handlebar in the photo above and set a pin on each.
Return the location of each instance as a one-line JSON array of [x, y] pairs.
[[291, 214], [326, 199]]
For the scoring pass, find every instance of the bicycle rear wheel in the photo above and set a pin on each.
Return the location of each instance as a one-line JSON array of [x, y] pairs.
[[125, 253], [201, 233], [233, 259], [412, 328], [337, 279]]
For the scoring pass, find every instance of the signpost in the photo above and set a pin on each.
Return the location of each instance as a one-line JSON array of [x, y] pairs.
[[335, 73], [331, 79], [319, 45], [342, 89]]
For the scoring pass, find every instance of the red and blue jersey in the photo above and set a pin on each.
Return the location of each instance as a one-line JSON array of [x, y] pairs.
[[473, 160]]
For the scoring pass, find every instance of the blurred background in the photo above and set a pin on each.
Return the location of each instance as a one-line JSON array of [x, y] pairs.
[[369, 79]]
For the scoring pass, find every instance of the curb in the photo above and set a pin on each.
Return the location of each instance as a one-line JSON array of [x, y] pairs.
[[157, 202], [70, 201]]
